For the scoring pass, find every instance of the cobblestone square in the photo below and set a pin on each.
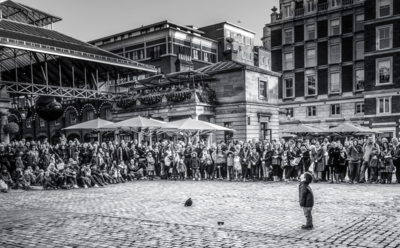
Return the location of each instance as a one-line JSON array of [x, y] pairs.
[[151, 214]]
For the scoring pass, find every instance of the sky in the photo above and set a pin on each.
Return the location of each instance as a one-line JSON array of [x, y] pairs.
[[91, 19]]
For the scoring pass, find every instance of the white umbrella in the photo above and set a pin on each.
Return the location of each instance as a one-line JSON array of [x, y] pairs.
[[95, 124], [136, 122], [192, 124]]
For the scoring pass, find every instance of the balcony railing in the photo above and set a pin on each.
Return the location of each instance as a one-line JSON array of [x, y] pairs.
[[204, 95], [299, 12], [322, 6], [347, 2]]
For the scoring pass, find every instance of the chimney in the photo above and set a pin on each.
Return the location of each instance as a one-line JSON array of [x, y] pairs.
[[183, 63]]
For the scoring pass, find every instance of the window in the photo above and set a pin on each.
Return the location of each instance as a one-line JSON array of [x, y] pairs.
[[310, 32], [335, 83], [156, 52], [28, 122], [384, 37], [196, 54], [72, 117], [311, 58], [334, 3], [311, 111], [359, 22], [384, 105], [288, 36], [206, 59], [359, 80], [289, 91], [57, 122], [288, 11], [359, 50], [310, 6], [265, 132], [289, 112], [89, 115], [228, 33], [335, 27], [311, 85], [360, 108], [384, 8], [228, 134], [109, 116], [42, 123], [335, 54], [288, 60], [136, 55], [263, 86], [335, 109], [384, 71]]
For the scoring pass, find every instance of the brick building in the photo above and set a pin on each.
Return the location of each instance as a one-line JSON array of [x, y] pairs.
[[382, 51], [318, 46]]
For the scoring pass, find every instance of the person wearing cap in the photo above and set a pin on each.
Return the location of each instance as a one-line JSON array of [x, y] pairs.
[[306, 199]]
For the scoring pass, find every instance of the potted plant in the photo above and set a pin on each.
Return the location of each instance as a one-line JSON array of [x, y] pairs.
[[11, 128]]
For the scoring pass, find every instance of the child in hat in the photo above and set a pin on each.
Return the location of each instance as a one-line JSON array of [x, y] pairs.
[[306, 198]]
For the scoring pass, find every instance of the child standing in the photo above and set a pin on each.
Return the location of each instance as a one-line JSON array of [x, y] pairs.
[[181, 169], [150, 165], [306, 198]]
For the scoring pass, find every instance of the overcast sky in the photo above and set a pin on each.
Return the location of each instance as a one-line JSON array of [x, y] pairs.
[[91, 19]]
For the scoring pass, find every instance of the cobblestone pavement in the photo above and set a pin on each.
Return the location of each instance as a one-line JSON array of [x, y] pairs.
[[151, 214]]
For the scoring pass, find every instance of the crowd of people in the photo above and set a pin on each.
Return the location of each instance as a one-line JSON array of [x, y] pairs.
[[72, 164]]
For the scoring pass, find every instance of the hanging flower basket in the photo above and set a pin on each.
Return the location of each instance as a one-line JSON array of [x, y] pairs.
[[11, 128]]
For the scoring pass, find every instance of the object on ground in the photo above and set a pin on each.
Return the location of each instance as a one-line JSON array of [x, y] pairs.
[[188, 203]]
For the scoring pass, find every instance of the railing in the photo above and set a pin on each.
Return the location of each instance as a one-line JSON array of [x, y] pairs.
[[347, 2], [204, 95], [40, 89], [299, 12], [322, 6], [83, 54]]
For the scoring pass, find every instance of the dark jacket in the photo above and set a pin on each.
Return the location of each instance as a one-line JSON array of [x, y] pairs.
[[306, 196]]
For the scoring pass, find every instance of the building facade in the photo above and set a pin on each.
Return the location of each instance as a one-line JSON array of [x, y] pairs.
[[235, 89], [382, 51], [318, 46], [158, 44]]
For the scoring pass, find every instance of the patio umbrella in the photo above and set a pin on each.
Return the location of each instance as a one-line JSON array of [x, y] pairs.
[[136, 122], [192, 124], [349, 129], [95, 124], [303, 130]]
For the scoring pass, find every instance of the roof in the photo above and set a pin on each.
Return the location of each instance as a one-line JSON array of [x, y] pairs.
[[145, 27], [32, 37], [229, 23], [231, 65], [22, 13]]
